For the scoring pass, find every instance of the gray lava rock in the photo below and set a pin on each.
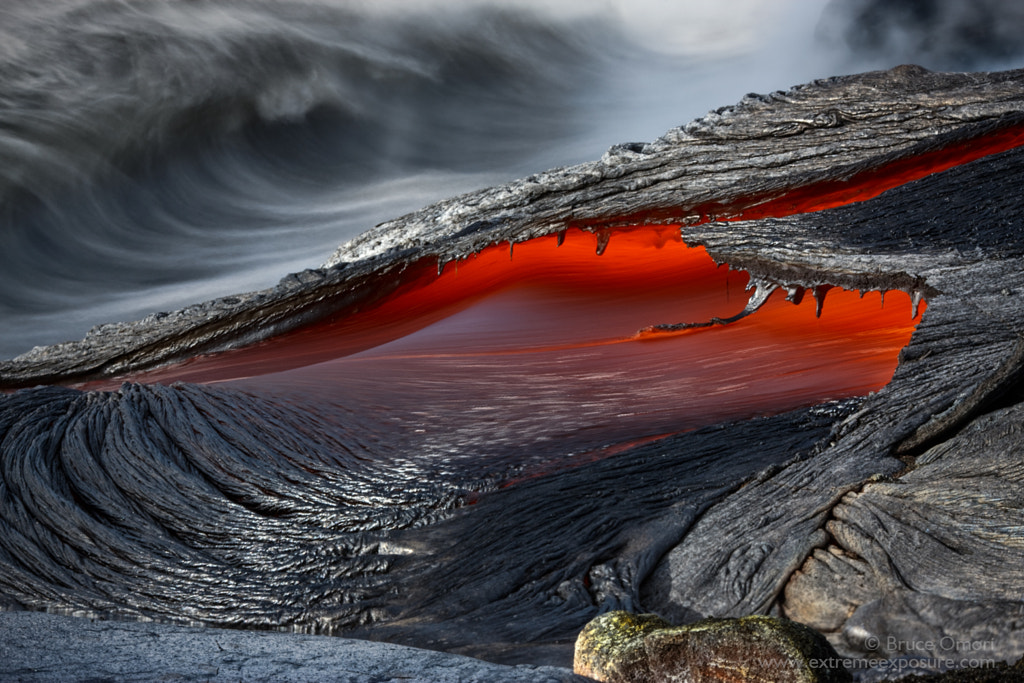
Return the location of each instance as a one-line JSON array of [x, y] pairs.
[[46, 647]]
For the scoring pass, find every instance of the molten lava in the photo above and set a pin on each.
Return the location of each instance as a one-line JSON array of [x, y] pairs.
[[539, 343]]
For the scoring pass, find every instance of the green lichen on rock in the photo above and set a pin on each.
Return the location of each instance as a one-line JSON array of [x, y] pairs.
[[619, 647], [611, 646]]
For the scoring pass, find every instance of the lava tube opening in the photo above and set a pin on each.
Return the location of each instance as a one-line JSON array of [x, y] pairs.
[[536, 347]]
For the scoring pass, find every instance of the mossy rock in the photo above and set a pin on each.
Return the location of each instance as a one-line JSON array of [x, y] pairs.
[[619, 647], [611, 647]]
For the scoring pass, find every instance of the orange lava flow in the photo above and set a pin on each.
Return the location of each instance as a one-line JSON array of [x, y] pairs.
[[541, 342], [573, 269]]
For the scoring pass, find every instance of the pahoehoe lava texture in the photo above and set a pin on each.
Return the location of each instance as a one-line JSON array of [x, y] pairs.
[[894, 515], [193, 503]]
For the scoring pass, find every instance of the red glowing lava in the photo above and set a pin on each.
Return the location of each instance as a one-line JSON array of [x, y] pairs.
[[541, 296], [541, 344]]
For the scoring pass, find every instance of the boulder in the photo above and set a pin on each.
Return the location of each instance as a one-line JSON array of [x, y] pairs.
[[619, 647]]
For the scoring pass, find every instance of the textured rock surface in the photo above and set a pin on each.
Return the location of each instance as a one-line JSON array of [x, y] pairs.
[[611, 647], [894, 520], [917, 543], [46, 647], [619, 647]]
